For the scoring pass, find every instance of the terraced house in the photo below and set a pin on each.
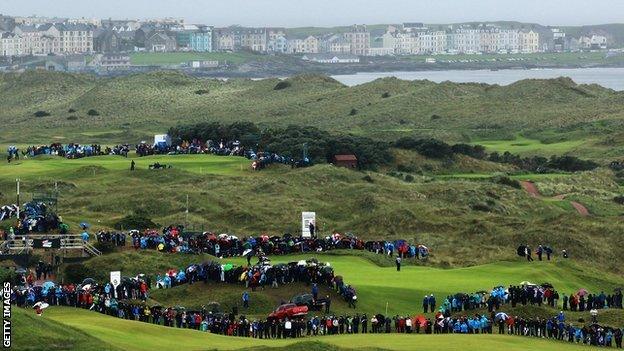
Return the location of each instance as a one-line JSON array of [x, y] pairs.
[[59, 39]]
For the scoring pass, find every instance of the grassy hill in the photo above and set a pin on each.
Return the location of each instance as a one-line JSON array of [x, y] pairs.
[[457, 214], [576, 118]]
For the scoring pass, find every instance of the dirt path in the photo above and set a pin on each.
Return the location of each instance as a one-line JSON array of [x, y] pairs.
[[582, 210], [530, 188]]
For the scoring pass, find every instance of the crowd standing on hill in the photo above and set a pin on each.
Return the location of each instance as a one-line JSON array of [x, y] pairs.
[[70, 151], [124, 302], [171, 239]]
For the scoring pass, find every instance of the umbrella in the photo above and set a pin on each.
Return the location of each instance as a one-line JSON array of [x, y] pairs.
[[547, 285], [20, 271], [48, 285], [421, 320], [84, 225], [180, 308], [527, 283], [501, 316], [88, 281], [247, 251], [582, 292], [86, 287], [41, 305], [227, 267], [301, 263]]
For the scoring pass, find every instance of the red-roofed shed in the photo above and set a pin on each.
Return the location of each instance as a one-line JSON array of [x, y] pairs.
[[348, 161]]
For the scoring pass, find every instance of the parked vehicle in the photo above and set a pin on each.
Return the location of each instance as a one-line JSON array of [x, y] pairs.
[[289, 310]]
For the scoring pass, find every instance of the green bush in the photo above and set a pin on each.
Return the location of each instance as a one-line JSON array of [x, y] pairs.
[[368, 178], [409, 178], [504, 180], [71, 110], [93, 113], [135, 221], [202, 91], [353, 112], [282, 85], [105, 247], [385, 95], [619, 200], [41, 114], [77, 272], [72, 118]]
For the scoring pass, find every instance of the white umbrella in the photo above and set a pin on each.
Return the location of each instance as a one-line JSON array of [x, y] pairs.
[[41, 305], [501, 316], [301, 263], [246, 252]]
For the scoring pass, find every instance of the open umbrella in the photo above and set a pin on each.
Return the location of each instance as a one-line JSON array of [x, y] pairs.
[[41, 305], [227, 267], [84, 225], [88, 281], [547, 285], [527, 283], [501, 316], [247, 252], [20, 270], [421, 320], [582, 292]]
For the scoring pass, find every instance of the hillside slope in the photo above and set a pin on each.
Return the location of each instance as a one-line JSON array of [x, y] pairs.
[[133, 107]]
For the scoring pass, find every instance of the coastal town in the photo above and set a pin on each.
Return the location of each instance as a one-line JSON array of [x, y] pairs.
[[77, 44]]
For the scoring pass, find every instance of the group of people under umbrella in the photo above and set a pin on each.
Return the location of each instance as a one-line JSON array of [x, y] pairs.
[[31, 217], [173, 239], [128, 301], [260, 275]]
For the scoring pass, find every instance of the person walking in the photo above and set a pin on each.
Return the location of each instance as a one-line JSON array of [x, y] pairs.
[[132, 164], [315, 291], [245, 300], [398, 263], [327, 304], [527, 253], [425, 304]]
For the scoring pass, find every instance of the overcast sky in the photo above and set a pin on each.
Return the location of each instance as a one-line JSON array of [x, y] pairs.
[[290, 13]]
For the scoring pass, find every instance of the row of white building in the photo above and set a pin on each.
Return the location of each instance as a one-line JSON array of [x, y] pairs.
[[417, 40], [44, 39]]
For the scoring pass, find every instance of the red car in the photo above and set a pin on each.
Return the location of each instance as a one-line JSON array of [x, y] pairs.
[[289, 310]]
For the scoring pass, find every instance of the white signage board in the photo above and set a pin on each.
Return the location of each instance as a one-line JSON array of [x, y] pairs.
[[115, 278], [306, 218]]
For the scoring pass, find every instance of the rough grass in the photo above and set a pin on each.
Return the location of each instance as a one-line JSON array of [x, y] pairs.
[[439, 212], [136, 106]]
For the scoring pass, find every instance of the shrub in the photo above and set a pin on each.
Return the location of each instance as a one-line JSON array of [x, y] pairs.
[[202, 91], [385, 95], [434, 117], [619, 199], [282, 85], [409, 178], [41, 114], [504, 180], [71, 110], [72, 118], [481, 206], [135, 221], [405, 168], [353, 112], [368, 178], [105, 247], [93, 113], [77, 272], [431, 148]]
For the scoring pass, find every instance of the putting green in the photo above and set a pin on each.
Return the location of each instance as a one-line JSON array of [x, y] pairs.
[[50, 165]]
